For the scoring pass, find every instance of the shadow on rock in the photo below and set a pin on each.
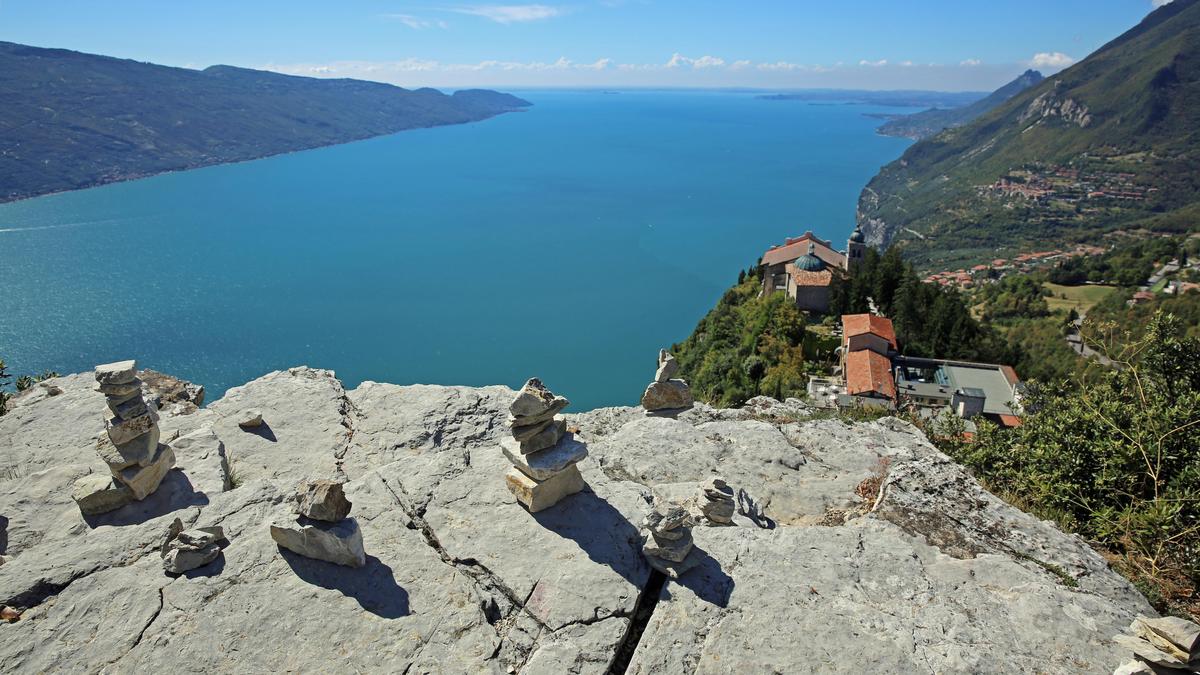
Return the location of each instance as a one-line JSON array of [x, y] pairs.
[[373, 585], [174, 493], [601, 531], [706, 579], [3, 535], [264, 431]]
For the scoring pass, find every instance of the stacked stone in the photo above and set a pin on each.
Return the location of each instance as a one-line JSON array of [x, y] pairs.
[[1164, 645], [321, 528], [667, 537], [715, 501], [129, 444], [666, 393], [183, 550], [543, 454]]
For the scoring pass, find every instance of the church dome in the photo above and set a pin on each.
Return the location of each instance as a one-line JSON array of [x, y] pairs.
[[857, 236], [809, 262]]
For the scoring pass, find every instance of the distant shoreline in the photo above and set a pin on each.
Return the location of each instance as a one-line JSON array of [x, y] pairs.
[[221, 162]]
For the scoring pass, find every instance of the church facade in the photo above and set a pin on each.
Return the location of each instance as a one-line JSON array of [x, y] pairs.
[[804, 267]]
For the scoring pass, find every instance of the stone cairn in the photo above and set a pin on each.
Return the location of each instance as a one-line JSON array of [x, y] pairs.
[[129, 445], [543, 454], [665, 393], [183, 550], [715, 501], [321, 528], [1164, 645], [667, 538]]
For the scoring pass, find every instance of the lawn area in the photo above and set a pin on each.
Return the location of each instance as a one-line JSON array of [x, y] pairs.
[[1079, 298]]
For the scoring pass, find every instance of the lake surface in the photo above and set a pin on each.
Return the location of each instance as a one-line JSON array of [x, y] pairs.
[[569, 242]]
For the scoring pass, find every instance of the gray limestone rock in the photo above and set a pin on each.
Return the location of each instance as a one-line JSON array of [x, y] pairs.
[[547, 438], [322, 500], [940, 577], [667, 366], [251, 419], [144, 480], [533, 399], [134, 406], [669, 549], [545, 464], [525, 433], [537, 495], [340, 542], [136, 452], [185, 550], [98, 493], [556, 406], [125, 430], [120, 372], [669, 395], [716, 501], [120, 392], [201, 456]]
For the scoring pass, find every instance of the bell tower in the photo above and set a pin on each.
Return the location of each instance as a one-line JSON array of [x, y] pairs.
[[856, 248]]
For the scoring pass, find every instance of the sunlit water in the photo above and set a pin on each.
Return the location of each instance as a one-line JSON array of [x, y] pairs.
[[568, 242]]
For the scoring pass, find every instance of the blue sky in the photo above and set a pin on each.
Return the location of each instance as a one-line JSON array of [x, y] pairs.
[[872, 44]]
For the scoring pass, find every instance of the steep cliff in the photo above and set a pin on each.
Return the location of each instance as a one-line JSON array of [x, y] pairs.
[[857, 548]]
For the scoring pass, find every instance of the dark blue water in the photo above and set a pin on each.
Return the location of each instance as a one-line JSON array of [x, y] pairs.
[[568, 242]]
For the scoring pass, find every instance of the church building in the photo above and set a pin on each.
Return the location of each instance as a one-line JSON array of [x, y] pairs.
[[804, 267]]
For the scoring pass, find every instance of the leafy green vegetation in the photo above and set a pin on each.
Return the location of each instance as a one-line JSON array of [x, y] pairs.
[[1117, 460], [1075, 298], [749, 346], [1129, 264], [1111, 139], [930, 320], [73, 120]]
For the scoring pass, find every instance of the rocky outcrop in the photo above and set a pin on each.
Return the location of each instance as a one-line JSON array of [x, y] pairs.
[[1049, 106], [930, 573]]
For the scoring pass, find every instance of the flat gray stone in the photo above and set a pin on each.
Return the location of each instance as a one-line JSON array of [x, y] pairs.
[[144, 480], [119, 372], [125, 430], [538, 495], [667, 366], [669, 549], [251, 419], [322, 500], [546, 463], [136, 452], [121, 392], [533, 399], [340, 543], [669, 395], [98, 493], [545, 439], [134, 406]]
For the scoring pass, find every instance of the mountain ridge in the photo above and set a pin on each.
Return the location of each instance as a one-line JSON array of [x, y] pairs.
[[1108, 143], [930, 122], [73, 120]]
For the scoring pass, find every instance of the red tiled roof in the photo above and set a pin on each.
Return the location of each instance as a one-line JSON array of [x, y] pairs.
[[806, 278], [869, 372], [858, 324], [794, 248], [1010, 420], [1011, 375]]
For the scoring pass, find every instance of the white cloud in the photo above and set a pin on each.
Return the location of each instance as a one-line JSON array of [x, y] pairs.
[[507, 14], [416, 22], [677, 60], [1160, 3], [739, 65], [970, 62], [1051, 60], [873, 64]]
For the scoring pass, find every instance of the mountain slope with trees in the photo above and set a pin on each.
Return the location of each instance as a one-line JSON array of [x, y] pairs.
[[72, 120], [1109, 143]]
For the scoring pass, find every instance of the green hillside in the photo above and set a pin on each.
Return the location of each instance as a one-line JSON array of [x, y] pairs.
[[1110, 143], [929, 122], [72, 120]]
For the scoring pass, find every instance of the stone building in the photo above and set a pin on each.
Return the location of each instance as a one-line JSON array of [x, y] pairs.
[[805, 266]]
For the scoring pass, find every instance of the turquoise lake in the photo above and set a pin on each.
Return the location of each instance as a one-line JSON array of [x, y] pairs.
[[568, 242]]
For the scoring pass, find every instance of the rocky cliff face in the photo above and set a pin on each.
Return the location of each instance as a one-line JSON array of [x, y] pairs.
[[858, 548]]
